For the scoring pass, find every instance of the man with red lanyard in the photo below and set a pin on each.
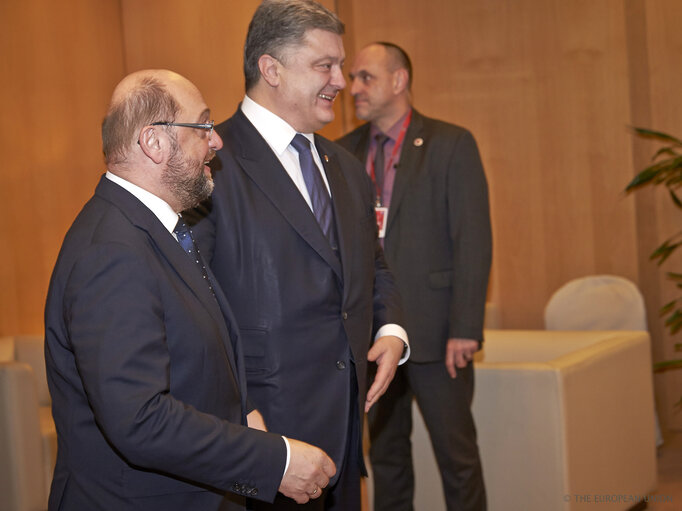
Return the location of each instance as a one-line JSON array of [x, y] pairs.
[[433, 214]]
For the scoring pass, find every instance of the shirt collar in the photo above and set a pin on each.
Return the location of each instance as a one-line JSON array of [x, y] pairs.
[[394, 131], [276, 131], [157, 205]]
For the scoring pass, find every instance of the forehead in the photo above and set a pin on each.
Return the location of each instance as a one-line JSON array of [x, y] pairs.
[[374, 57], [189, 98]]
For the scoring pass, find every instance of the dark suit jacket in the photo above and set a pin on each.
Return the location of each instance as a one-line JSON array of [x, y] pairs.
[[146, 372], [306, 313], [438, 236]]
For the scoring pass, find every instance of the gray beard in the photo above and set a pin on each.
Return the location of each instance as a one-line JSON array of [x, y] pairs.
[[188, 188]]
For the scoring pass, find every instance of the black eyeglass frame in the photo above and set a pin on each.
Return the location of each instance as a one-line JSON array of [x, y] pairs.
[[196, 125]]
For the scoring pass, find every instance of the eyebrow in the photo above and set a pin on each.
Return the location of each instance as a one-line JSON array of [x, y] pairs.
[[362, 72]]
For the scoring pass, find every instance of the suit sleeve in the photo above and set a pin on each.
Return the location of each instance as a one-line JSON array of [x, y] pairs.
[[115, 311], [470, 234]]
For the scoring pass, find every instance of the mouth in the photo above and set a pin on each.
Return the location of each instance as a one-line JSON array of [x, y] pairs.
[[209, 157], [327, 97]]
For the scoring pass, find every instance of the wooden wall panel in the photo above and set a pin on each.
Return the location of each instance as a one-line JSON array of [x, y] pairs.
[[543, 86], [202, 40], [60, 61], [548, 87]]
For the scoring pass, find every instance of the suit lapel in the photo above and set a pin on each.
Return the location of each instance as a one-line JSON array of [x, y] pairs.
[[411, 157], [169, 249], [362, 143], [262, 166], [340, 197]]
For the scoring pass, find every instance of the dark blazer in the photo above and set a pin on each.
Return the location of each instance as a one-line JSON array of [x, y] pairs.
[[307, 314], [438, 236], [146, 372]]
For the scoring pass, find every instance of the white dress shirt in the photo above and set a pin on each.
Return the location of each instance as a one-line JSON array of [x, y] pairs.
[[157, 205]]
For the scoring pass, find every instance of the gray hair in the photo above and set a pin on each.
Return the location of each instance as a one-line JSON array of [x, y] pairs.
[[280, 24], [149, 101]]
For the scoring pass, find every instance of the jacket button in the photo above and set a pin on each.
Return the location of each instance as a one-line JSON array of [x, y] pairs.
[[340, 365], [345, 315], [253, 492]]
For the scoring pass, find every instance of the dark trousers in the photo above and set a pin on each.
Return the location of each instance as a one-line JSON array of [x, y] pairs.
[[345, 494], [445, 405]]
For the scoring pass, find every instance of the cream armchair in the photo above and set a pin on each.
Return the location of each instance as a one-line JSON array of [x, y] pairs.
[[565, 422], [565, 419], [28, 439]]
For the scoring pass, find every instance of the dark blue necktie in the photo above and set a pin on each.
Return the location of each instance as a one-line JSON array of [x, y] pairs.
[[187, 243], [319, 197]]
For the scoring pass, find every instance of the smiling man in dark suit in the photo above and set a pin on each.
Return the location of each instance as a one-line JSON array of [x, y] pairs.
[[292, 240], [432, 202], [144, 362]]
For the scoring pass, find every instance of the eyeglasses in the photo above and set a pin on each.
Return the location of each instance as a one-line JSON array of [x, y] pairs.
[[208, 126]]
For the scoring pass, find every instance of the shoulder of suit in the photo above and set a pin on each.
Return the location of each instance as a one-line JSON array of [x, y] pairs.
[[438, 126], [351, 138]]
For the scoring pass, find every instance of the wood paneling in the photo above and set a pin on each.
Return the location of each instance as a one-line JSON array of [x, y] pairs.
[[202, 40], [59, 65], [548, 87], [543, 86]]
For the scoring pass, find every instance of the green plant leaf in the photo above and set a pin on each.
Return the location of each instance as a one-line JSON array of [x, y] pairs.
[[647, 133], [664, 150], [667, 308], [674, 321], [664, 251], [667, 364]]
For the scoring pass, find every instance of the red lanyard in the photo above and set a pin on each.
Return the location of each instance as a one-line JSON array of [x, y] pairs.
[[394, 153]]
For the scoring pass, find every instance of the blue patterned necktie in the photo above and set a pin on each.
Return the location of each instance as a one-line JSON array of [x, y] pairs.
[[187, 243], [322, 204]]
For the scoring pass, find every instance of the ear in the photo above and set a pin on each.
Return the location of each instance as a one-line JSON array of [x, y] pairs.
[[151, 143], [399, 80], [269, 69]]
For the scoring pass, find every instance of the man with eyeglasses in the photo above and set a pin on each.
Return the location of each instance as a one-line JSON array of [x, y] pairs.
[[144, 361], [291, 238]]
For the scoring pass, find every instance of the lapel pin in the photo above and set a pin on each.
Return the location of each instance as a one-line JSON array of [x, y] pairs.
[[326, 158], [418, 142]]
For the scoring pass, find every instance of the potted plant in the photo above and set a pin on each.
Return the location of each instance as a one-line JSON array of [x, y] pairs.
[[666, 170]]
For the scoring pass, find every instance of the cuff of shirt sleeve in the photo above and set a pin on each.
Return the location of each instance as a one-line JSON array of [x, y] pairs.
[[400, 333], [286, 466]]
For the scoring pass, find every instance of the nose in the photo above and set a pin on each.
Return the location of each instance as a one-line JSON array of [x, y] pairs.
[[338, 80], [354, 86], [215, 142]]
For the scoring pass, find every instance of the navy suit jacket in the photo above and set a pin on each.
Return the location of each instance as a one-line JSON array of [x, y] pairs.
[[146, 372], [438, 235], [307, 314]]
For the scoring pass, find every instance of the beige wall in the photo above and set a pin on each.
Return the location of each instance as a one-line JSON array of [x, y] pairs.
[[548, 88]]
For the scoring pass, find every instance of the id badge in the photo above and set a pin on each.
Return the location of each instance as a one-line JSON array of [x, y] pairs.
[[382, 217]]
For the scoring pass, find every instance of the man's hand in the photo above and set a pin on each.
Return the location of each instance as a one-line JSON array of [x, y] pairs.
[[458, 353], [386, 352], [308, 472], [255, 420]]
